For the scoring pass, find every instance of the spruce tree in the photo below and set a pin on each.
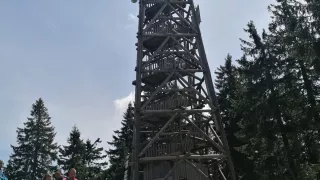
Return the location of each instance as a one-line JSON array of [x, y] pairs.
[[294, 31], [36, 149], [277, 99], [298, 37], [121, 143], [86, 157], [72, 155], [94, 159], [227, 84], [266, 126]]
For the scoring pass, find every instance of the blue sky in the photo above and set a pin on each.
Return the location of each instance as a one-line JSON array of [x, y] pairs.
[[79, 56]]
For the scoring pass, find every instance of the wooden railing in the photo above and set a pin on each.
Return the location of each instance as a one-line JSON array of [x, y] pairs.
[[173, 102], [165, 64]]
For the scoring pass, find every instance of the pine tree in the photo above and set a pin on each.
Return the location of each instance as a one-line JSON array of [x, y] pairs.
[[228, 94], [277, 94], [94, 159], [266, 125], [86, 157], [35, 150], [122, 143], [72, 155], [296, 33]]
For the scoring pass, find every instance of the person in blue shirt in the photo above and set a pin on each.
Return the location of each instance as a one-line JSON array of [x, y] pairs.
[[2, 176]]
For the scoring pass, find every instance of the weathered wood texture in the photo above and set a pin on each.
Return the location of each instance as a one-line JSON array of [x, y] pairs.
[[177, 133]]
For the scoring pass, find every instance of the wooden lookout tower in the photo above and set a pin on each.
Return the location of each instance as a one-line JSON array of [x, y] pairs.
[[178, 134]]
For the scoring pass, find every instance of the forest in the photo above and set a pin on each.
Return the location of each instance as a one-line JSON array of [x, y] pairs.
[[269, 102]]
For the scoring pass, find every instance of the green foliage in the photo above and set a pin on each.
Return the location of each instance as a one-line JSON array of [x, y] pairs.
[[228, 86], [276, 99], [86, 157], [121, 143], [36, 149], [94, 159], [71, 155]]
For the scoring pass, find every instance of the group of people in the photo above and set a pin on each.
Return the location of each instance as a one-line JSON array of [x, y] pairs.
[[59, 176], [56, 176]]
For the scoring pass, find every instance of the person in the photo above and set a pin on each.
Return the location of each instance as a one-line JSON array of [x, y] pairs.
[[58, 175], [2, 176], [47, 177], [71, 175]]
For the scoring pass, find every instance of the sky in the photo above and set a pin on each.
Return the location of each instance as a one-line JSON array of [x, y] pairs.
[[79, 56]]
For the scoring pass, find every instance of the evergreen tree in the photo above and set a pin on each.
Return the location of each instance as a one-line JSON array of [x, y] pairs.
[[94, 159], [122, 143], [266, 125], [86, 157], [35, 150], [295, 33], [72, 155], [276, 100], [228, 94], [297, 38]]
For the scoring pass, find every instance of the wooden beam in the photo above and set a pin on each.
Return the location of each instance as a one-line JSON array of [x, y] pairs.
[[167, 158]]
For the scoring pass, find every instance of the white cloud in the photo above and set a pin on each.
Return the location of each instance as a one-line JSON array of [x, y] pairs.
[[133, 21], [132, 17], [121, 104]]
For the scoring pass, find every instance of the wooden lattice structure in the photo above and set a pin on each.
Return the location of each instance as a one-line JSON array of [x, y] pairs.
[[177, 129]]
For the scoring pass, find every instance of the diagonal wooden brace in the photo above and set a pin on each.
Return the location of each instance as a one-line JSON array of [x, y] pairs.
[[205, 135], [157, 135]]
